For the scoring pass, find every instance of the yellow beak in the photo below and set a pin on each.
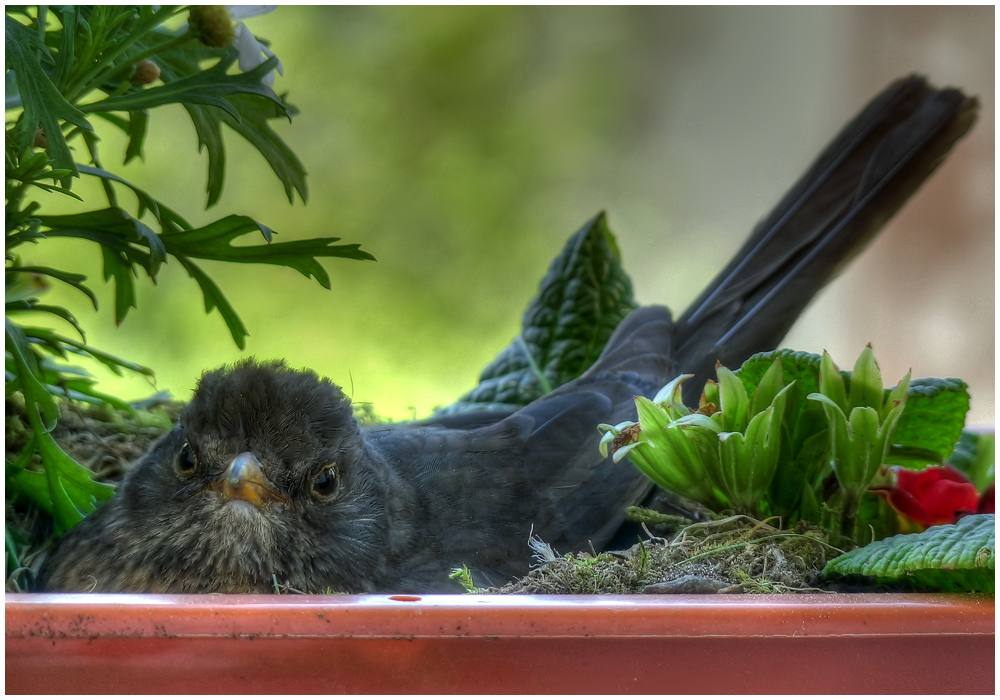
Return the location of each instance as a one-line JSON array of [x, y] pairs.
[[244, 480]]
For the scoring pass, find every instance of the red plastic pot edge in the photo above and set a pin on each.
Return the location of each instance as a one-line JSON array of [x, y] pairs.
[[834, 643], [96, 615]]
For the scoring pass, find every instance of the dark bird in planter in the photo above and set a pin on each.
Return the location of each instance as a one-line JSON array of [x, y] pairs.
[[267, 479]]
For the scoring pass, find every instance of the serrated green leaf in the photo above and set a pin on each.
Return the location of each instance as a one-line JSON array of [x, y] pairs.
[[581, 300], [43, 104], [252, 125], [168, 218], [55, 311], [27, 370], [138, 127], [206, 88], [115, 230], [118, 266], [959, 557], [207, 122], [931, 423], [212, 242], [67, 46], [71, 278], [214, 298], [60, 344]]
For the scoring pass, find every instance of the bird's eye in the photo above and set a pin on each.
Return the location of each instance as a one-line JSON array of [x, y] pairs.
[[186, 462], [325, 483]]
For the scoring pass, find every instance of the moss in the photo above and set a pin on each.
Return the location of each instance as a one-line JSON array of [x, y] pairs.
[[748, 555]]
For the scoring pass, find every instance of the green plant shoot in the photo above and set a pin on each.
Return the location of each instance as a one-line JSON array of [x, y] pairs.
[[861, 422], [736, 446]]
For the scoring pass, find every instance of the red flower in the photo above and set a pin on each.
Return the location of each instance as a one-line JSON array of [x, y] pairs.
[[935, 496]]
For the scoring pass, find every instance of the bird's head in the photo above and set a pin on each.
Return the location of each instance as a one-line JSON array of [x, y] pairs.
[[264, 480]]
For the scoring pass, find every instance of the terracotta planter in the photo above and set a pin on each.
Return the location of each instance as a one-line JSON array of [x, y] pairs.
[[847, 643]]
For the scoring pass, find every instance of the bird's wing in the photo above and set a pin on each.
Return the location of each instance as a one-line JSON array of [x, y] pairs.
[[581, 496]]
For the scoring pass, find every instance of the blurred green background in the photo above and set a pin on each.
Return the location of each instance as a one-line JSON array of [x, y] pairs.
[[462, 146]]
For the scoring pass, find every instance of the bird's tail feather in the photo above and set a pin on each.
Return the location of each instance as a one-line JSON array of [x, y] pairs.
[[855, 186]]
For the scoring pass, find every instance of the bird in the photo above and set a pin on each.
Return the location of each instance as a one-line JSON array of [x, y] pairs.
[[267, 480]]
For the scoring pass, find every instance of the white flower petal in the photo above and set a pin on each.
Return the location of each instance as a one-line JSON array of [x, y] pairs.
[[270, 54], [248, 47]]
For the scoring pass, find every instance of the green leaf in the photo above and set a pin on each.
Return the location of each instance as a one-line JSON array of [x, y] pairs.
[[252, 125], [931, 423], [733, 401], [975, 456], [138, 127], [581, 300], [831, 384], [207, 88], [959, 557], [797, 366], [65, 58], [670, 396], [55, 311], [212, 242], [70, 278], [60, 344], [214, 298], [770, 384], [117, 265], [206, 122], [43, 104], [866, 382], [168, 218], [27, 369], [116, 231]]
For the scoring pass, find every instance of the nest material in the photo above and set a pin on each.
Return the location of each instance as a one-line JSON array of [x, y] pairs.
[[737, 554], [105, 441]]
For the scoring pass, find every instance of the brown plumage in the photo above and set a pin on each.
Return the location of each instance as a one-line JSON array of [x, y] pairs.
[[267, 478]]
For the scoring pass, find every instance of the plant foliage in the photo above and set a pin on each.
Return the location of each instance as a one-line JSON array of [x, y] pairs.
[[790, 435], [581, 300], [959, 557]]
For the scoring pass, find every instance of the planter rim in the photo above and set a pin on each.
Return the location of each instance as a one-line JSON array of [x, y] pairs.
[[721, 644], [138, 615]]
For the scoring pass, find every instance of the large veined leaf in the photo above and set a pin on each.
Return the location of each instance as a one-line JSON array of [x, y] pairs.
[[582, 299], [959, 557], [797, 366], [932, 422]]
